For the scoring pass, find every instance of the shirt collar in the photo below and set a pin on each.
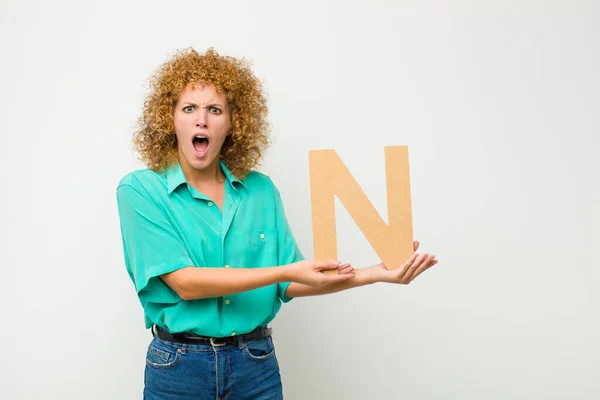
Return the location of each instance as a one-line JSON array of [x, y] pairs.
[[176, 177], [230, 177]]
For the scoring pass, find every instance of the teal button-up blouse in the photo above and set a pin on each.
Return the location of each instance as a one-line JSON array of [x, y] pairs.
[[167, 224]]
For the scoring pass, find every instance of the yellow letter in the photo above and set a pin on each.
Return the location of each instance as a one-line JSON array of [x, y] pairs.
[[329, 177]]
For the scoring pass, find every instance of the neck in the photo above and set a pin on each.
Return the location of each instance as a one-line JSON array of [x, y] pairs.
[[204, 178]]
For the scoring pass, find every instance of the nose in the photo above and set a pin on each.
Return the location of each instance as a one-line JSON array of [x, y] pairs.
[[201, 120]]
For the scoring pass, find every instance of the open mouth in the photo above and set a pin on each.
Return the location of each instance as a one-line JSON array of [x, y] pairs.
[[200, 144]]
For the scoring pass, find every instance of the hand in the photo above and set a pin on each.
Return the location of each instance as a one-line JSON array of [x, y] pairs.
[[311, 272], [412, 268]]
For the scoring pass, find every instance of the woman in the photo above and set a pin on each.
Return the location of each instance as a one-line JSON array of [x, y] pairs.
[[205, 238]]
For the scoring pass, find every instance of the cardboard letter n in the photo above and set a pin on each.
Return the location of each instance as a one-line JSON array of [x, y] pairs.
[[329, 177]]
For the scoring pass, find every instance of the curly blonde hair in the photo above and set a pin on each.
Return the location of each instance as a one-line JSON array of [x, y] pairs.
[[155, 139]]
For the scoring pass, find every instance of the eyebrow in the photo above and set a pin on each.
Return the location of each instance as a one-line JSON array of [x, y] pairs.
[[208, 105]]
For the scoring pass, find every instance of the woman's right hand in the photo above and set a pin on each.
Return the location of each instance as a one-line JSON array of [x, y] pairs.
[[311, 272]]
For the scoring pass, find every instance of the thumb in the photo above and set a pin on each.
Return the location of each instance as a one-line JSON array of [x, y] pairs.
[[323, 265]]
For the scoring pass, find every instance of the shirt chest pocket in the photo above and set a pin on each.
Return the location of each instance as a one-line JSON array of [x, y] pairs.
[[259, 248]]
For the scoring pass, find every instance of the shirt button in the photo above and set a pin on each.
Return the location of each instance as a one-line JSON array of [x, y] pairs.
[[227, 266], [233, 333], [227, 302], [210, 203], [262, 235]]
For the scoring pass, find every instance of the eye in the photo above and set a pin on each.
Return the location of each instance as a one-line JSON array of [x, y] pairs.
[[188, 109], [215, 110]]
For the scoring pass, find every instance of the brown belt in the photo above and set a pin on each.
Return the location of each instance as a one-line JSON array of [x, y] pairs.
[[191, 338]]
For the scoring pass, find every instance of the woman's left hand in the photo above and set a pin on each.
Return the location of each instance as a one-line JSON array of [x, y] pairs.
[[412, 268]]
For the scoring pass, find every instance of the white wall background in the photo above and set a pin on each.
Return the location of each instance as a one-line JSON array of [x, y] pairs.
[[498, 102]]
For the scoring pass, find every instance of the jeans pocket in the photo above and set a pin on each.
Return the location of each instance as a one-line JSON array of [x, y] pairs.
[[259, 349], [161, 356]]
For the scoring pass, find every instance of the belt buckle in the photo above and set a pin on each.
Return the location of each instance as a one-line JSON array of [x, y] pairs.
[[212, 342]]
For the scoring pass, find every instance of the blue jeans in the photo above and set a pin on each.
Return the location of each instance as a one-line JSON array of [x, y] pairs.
[[245, 370]]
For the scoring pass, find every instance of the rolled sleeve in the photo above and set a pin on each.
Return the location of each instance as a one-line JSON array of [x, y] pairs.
[[288, 251], [151, 245]]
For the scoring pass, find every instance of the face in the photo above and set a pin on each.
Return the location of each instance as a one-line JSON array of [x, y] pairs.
[[202, 123]]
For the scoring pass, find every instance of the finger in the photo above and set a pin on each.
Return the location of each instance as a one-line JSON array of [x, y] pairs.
[[404, 269], [338, 278], [323, 265], [430, 262], [410, 261], [410, 273], [416, 245], [424, 269], [345, 269]]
